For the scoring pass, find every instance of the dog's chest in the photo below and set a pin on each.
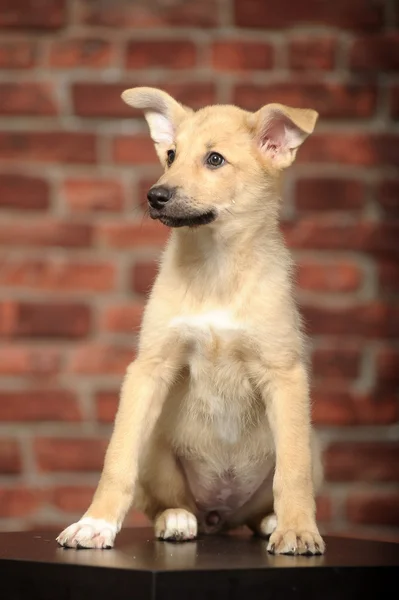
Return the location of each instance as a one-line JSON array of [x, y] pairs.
[[216, 322], [212, 340], [219, 389]]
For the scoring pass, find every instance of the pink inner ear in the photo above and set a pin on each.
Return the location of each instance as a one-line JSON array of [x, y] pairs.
[[273, 136], [270, 147]]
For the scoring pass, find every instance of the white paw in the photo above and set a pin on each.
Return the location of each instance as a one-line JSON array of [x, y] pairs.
[[268, 525], [88, 533], [176, 524]]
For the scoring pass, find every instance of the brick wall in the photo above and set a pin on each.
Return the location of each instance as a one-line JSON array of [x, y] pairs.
[[77, 256]]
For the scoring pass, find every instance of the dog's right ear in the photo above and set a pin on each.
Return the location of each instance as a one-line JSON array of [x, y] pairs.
[[162, 112]]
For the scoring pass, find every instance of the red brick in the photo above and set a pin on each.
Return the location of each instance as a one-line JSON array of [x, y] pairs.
[[388, 197], [20, 360], [357, 149], [132, 235], [48, 146], [331, 100], [101, 100], [94, 359], [136, 150], [22, 192], [312, 53], [72, 498], [336, 361], [236, 55], [93, 194], [375, 53], [376, 238], [194, 94], [104, 99], [388, 365], [27, 14], [167, 53], [74, 53], [394, 101], [45, 233], [19, 502], [329, 193], [58, 274], [340, 407], [388, 276], [39, 405], [10, 457], [362, 461], [69, 454], [373, 508], [45, 319], [323, 509], [133, 15], [17, 54], [125, 318], [106, 406], [358, 15], [27, 99], [343, 276], [143, 275], [373, 320]]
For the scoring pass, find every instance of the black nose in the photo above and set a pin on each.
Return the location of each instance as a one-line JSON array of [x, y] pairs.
[[158, 196]]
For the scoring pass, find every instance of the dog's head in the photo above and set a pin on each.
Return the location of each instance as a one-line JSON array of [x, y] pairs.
[[219, 160]]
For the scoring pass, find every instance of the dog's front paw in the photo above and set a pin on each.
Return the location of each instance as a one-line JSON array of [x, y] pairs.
[[177, 525], [88, 533], [289, 541]]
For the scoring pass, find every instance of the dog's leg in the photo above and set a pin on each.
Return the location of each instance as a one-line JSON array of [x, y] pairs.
[[288, 408], [144, 391], [165, 496], [258, 513]]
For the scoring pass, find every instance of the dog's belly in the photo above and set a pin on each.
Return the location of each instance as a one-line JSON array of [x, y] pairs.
[[220, 431], [219, 497]]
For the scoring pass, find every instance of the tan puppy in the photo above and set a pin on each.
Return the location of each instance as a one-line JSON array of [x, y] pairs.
[[213, 427]]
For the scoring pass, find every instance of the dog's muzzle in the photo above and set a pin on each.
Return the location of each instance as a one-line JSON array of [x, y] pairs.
[[174, 212]]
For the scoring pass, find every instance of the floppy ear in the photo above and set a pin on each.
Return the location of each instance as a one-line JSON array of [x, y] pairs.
[[162, 112], [280, 130]]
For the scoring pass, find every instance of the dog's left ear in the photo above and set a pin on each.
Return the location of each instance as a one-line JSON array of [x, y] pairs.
[[280, 130], [162, 112]]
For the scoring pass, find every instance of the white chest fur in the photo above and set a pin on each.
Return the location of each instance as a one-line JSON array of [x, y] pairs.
[[218, 320]]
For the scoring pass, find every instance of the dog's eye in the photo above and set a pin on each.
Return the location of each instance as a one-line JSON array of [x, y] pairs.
[[215, 160], [171, 157]]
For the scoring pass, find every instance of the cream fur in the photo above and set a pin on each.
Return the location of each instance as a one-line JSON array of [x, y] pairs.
[[214, 413]]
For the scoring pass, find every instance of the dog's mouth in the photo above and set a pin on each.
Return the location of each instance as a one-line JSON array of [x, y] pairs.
[[187, 221]]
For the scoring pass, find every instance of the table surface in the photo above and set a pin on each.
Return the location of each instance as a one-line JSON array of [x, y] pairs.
[[136, 549], [165, 570]]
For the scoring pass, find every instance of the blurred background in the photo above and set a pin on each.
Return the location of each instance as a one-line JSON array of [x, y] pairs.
[[77, 254]]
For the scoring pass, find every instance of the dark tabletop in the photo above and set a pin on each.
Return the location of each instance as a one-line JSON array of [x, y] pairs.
[[229, 566]]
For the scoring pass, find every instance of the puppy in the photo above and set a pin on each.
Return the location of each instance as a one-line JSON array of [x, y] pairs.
[[213, 428]]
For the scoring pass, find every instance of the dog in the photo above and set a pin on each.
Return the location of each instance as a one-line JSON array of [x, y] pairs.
[[213, 429]]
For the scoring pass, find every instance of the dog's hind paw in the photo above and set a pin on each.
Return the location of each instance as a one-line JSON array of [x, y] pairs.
[[176, 525], [88, 533]]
